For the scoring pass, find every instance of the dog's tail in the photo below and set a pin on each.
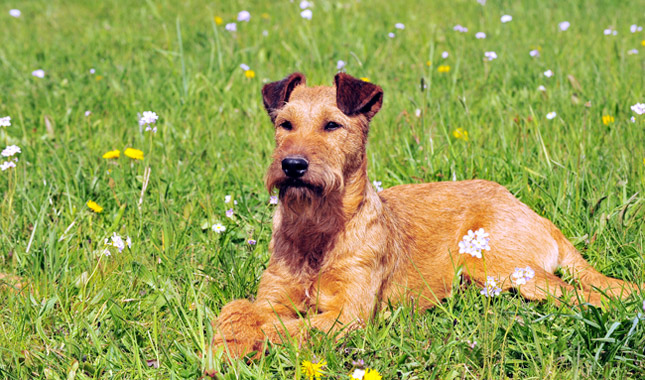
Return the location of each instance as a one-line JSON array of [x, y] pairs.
[[589, 278]]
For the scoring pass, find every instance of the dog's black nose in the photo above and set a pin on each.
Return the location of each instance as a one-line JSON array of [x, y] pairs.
[[294, 167]]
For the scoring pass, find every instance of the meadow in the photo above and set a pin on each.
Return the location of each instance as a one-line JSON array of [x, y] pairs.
[[126, 288]]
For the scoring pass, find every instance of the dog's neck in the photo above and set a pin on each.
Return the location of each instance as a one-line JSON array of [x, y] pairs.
[[303, 235]]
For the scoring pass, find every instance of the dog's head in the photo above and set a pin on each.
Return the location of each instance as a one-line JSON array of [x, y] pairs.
[[320, 133]]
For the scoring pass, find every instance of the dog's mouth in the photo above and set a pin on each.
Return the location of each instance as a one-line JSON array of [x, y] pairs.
[[298, 185]]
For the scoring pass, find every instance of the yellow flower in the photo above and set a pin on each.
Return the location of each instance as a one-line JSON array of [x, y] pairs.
[[218, 20], [98, 78], [460, 133], [443, 69], [135, 154], [643, 42], [606, 119], [265, 16], [372, 374], [94, 206], [365, 79], [428, 63], [249, 74], [112, 154], [312, 370]]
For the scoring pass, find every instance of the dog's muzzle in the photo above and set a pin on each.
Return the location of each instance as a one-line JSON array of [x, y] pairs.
[[294, 167]]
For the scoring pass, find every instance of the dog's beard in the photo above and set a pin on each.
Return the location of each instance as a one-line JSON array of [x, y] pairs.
[[308, 190]]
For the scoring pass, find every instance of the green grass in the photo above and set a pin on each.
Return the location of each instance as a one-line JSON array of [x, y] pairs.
[[83, 315]]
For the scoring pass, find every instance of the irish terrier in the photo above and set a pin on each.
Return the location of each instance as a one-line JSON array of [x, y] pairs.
[[340, 250]]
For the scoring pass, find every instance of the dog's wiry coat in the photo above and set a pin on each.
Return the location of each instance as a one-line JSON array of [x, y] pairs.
[[340, 250]]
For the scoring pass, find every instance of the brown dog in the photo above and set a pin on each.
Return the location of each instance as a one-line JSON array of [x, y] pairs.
[[340, 250]]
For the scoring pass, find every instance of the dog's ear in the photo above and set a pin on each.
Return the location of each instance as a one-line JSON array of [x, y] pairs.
[[276, 94], [354, 96]]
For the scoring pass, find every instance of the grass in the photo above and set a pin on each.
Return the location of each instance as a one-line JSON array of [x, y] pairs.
[[145, 313]]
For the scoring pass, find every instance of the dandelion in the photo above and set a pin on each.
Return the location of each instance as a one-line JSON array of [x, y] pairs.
[[5, 121], [428, 63], [94, 206], [304, 4], [340, 65], [635, 28], [218, 227], [564, 25], [229, 213], [112, 154], [11, 150], [460, 134], [459, 28], [134, 154], [639, 108], [38, 73], [506, 18], [444, 55], [399, 25], [250, 74], [548, 73], [251, 242], [15, 13], [474, 243], [551, 115], [312, 370], [607, 119], [231, 27], [443, 69], [534, 53], [632, 51], [490, 288], [243, 16], [522, 275], [88, 113], [377, 186], [490, 55], [643, 42], [480, 35], [365, 79], [7, 165], [218, 20], [307, 14], [372, 374], [391, 35], [273, 200]]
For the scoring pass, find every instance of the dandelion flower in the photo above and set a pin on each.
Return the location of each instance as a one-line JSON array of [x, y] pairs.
[[607, 119], [5, 121], [218, 227], [38, 73], [377, 186], [372, 374], [231, 27], [307, 14], [15, 13], [243, 16], [218, 20], [551, 115], [564, 25], [112, 154], [7, 165], [340, 65], [548, 73], [534, 53], [399, 25], [11, 150], [490, 288], [304, 4], [460, 134], [134, 154], [480, 35], [639, 108], [365, 79], [443, 69], [94, 206], [522, 275], [273, 200], [312, 370], [474, 243], [490, 55], [249, 74], [506, 18], [444, 55]]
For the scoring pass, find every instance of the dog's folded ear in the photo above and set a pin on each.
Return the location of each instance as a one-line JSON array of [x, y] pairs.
[[354, 96], [276, 94]]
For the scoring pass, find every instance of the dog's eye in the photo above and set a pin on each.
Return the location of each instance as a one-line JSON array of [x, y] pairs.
[[286, 125], [331, 126]]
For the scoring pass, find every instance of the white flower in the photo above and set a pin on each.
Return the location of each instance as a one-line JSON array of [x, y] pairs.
[[340, 65], [460, 28], [377, 186], [273, 200], [444, 55], [391, 35], [304, 4], [480, 35], [243, 16], [633, 51], [88, 113], [358, 374], [227, 199], [38, 73], [117, 242], [474, 242], [244, 67], [551, 115], [15, 13], [417, 112], [639, 108], [92, 71], [307, 14], [231, 27], [218, 227], [548, 73], [265, 33], [632, 119], [490, 288], [522, 275], [5, 121], [398, 25], [541, 88], [534, 53], [482, 2], [610, 31], [7, 164], [635, 28], [148, 117], [564, 25], [11, 150], [506, 18], [490, 55]]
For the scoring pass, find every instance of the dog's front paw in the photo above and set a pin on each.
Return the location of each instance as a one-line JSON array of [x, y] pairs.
[[237, 330]]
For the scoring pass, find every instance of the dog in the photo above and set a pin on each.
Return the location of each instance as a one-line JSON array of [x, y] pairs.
[[340, 250]]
